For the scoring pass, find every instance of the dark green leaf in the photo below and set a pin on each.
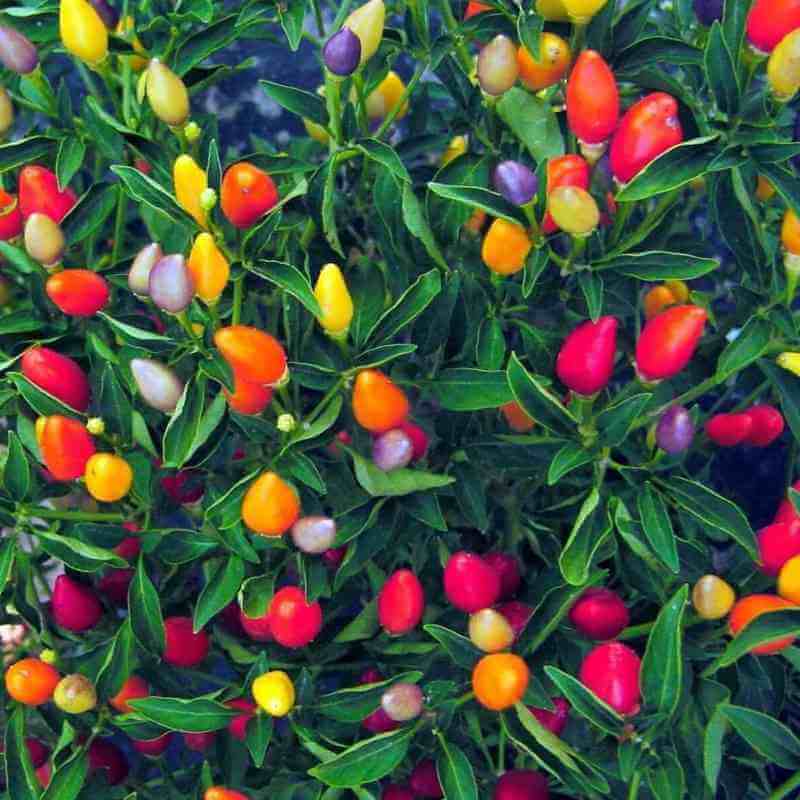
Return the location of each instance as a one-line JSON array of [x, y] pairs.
[[661, 266], [455, 773], [397, 483], [144, 608], [408, 307], [536, 399], [772, 739], [460, 649], [71, 152], [657, 526], [21, 781], [291, 280], [533, 122], [464, 389], [585, 702], [571, 456], [259, 735], [220, 589], [299, 102], [17, 471], [194, 715], [721, 71], [478, 197]]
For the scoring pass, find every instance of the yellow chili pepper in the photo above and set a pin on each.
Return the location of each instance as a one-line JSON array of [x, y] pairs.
[[386, 96], [166, 92], [457, 147], [126, 28], [783, 68], [190, 182], [367, 23], [552, 10], [209, 269], [6, 111], [334, 299], [582, 11], [83, 33], [790, 362]]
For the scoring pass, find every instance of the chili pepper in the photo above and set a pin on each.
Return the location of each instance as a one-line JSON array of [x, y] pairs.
[[248, 398], [108, 477], [77, 292], [270, 505], [66, 446], [106, 12], [170, 284], [661, 297], [611, 671], [708, 11], [508, 570], [367, 22], [424, 780], [152, 748], [569, 170], [75, 694], [668, 342], [470, 583], [516, 182], [585, 362], [599, 614], [790, 362], [185, 647], [552, 10], [500, 680], [764, 189], [403, 702], [126, 28], [314, 535], [728, 430], [712, 597], [114, 586], [521, 784], [581, 11], [769, 21], [648, 128], [254, 355], [221, 793], [106, 756], [293, 621], [10, 217], [75, 606], [457, 147], [200, 743], [392, 450], [401, 603], [166, 93], [418, 437], [789, 580], [505, 247], [750, 608], [556, 720], [517, 418], [190, 181], [475, 223], [592, 102], [518, 615], [17, 52], [497, 66], [209, 269], [551, 66], [777, 543], [38, 191], [342, 52], [58, 375], [675, 430], [385, 97], [574, 210], [142, 266], [767, 425], [83, 32], [786, 511], [6, 111], [31, 681], [783, 68], [474, 7], [247, 194], [44, 240], [490, 631], [237, 727], [158, 385], [274, 692], [379, 405], [334, 300]]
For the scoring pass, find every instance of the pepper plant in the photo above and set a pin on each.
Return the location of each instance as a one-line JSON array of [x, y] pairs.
[[395, 461]]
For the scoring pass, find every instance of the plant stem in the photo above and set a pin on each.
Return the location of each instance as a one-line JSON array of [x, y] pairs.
[[71, 516], [633, 791], [333, 99], [238, 293], [119, 226], [390, 117], [785, 789]]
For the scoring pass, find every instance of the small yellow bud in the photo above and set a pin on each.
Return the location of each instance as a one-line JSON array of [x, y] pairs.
[[334, 299], [96, 426], [49, 657], [208, 199], [286, 423], [192, 132]]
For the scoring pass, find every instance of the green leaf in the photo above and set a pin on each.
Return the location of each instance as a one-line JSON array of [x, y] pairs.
[[536, 399], [68, 779], [119, 662], [382, 354], [656, 265], [674, 168], [464, 389], [478, 197], [396, 483], [571, 456], [208, 40], [302, 103], [532, 121], [657, 526], [132, 333], [712, 509], [463, 653], [259, 735], [17, 470], [586, 703], [291, 280], [657, 48], [255, 595], [746, 348], [662, 665], [666, 780], [147, 191], [615, 421], [415, 219], [357, 702], [364, 626], [220, 589], [291, 17], [41, 402], [385, 155], [191, 424], [366, 761], [21, 780], [712, 748], [77, 554], [490, 349], [772, 739], [788, 387], [737, 220], [144, 608], [535, 265], [407, 308], [455, 773], [529, 30], [25, 151], [8, 550], [194, 715], [470, 494], [71, 152], [721, 71], [785, 183], [589, 531], [115, 405]]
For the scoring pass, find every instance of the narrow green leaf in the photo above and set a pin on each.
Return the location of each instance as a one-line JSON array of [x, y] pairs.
[[195, 715], [657, 526], [220, 589], [536, 399], [455, 773], [291, 280], [772, 739], [144, 608]]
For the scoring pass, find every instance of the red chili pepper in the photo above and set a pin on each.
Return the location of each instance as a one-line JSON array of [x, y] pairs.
[[401, 603], [592, 99], [586, 359], [75, 606], [668, 341], [770, 20], [611, 671], [777, 543], [10, 217], [648, 128], [569, 170], [768, 425], [39, 192], [599, 614], [786, 512], [728, 430], [470, 582], [474, 7], [77, 292], [294, 621], [66, 447], [59, 375]]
